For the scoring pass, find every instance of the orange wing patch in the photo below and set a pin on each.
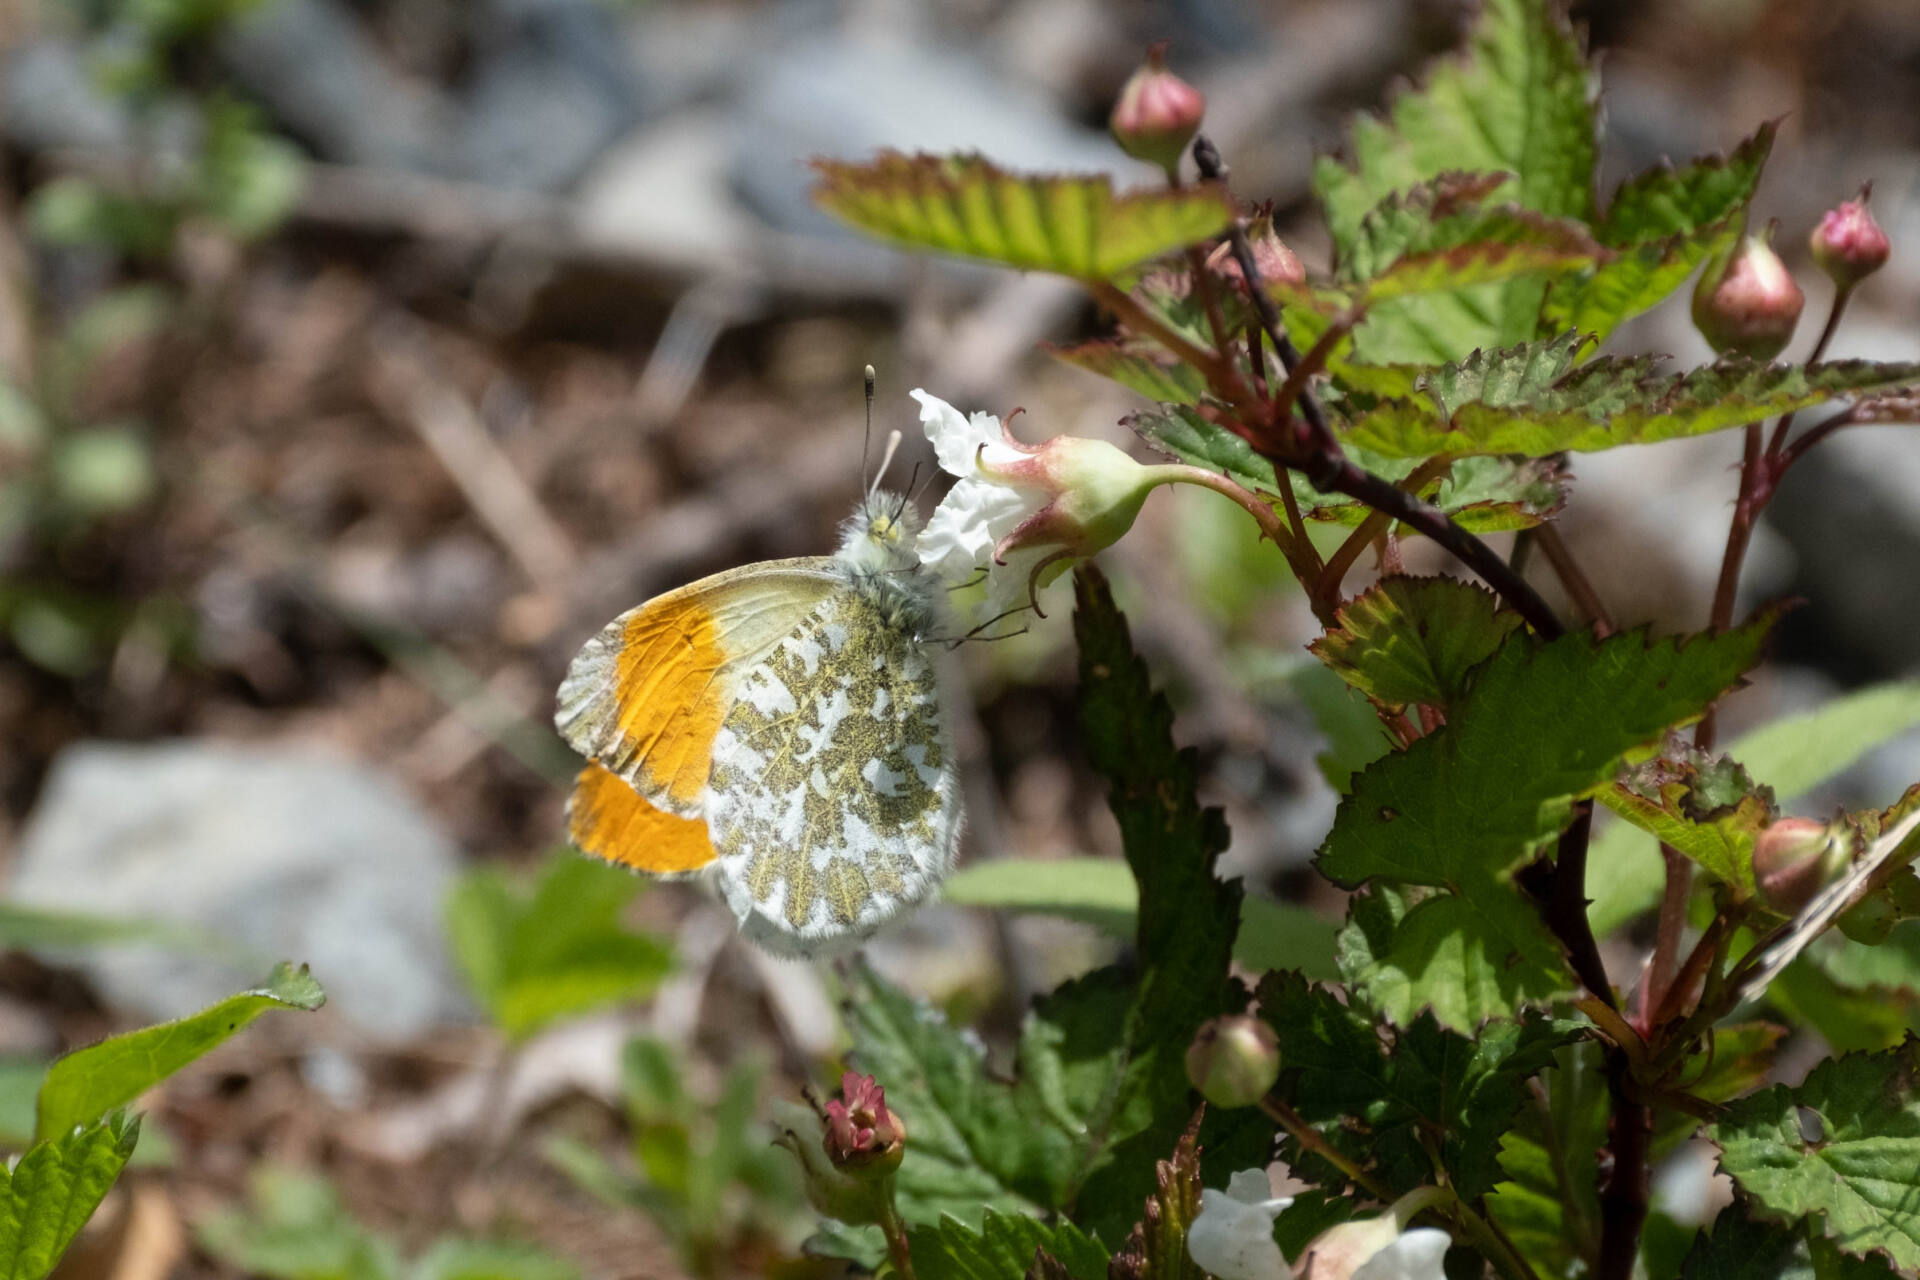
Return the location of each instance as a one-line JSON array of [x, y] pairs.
[[610, 820], [646, 695], [671, 705]]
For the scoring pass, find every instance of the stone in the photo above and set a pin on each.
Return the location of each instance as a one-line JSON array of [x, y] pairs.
[[274, 852]]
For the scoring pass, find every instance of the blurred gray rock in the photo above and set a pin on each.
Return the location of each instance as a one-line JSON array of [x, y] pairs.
[[319, 73], [49, 99], [288, 854], [551, 88], [831, 94]]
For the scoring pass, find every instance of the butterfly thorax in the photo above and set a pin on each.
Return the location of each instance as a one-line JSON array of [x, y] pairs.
[[878, 556]]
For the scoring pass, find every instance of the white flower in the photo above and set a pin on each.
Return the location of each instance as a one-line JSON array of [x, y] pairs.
[[1413, 1255], [1022, 512], [1382, 1247], [1233, 1235]]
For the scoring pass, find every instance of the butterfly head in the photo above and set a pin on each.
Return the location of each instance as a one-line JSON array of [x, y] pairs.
[[879, 555], [879, 536]]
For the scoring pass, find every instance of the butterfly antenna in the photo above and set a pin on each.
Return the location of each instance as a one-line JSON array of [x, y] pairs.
[[866, 441], [908, 495], [924, 484]]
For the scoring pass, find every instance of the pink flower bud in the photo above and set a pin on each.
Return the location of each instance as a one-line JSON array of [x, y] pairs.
[[1271, 257], [1848, 244], [1158, 113], [1795, 858], [861, 1132], [1233, 1061], [1746, 302]]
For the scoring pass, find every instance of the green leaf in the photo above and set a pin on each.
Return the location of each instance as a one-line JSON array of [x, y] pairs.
[[1707, 808], [1860, 1168], [978, 1143], [1187, 924], [1664, 223], [1665, 201], [1608, 403], [1070, 224], [48, 1196], [1101, 892], [1548, 1202], [1634, 280], [1463, 806], [1519, 100], [1792, 755], [556, 952], [1099, 1088], [1737, 1064], [1156, 1248], [1520, 374], [1414, 952], [88, 1083], [1742, 1248], [1138, 367], [1795, 754], [1381, 1102], [1849, 1019], [1095, 891], [296, 1230], [1413, 640], [1482, 494], [1003, 1249], [1448, 211]]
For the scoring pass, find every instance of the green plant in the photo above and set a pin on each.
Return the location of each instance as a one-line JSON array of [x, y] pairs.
[[705, 1172], [556, 951], [81, 1142], [1476, 1078], [296, 1229]]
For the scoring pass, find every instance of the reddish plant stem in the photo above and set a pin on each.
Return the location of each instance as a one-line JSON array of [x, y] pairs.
[[1840, 300], [1376, 523], [1810, 437], [1310, 446], [1575, 582]]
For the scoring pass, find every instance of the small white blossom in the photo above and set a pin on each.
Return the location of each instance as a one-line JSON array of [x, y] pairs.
[[1233, 1235], [1413, 1255], [1381, 1247], [1022, 512]]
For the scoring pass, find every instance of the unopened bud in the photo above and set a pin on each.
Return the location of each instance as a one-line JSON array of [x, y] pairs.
[[1870, 920], [1233, 1061], [1158, 113], [1746, 302], [1271, 257], [833, 1191], [1795, 858], [1848, 244], [862, 1135]]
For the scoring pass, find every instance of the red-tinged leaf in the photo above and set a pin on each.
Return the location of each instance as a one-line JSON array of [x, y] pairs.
[[1138, 366], [1072, 224], [1609, 403]]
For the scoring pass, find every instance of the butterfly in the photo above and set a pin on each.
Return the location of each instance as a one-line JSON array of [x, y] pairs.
[[779, 726]]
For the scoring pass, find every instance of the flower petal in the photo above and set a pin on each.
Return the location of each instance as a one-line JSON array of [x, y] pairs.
[[1234, 1240], [956, 440], [960, 535], [1233, 1235], [1414, 1255]]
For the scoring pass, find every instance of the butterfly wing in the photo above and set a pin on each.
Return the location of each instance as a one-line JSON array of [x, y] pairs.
[[835, 801], [646, 696], [609, 819]]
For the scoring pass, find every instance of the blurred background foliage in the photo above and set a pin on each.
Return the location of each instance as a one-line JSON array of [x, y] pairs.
[[359, 357]]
